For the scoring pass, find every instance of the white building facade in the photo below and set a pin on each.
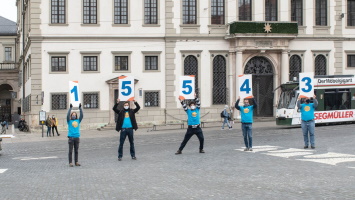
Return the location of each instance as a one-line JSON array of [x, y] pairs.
[[157, 41]]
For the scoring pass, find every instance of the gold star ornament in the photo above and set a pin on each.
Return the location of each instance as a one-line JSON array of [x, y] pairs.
[[267, 28]]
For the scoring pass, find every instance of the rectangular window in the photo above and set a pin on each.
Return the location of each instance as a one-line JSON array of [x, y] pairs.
[[151, 11], [59, 64], [270, 10], [297, 11], [90, 12], [59, 101], [8, 54], [58, 11], [351, 12], [151, 62], [189, 12], [338, 99], [245, 10], [121, 11], [217, 12], [121, 63], [91, 100], [351, 60], [90, 63], [151, 99], [321, 13]]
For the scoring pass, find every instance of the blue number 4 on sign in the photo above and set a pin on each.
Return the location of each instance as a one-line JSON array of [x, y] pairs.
[[245, 87]]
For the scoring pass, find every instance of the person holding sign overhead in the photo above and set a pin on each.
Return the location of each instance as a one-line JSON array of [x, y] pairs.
[[74, 133], [126, 122], [246, 112], [193, 122], [307, 116]]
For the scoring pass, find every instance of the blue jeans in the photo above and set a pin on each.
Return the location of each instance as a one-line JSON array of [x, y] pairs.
[[49, 131], [308, 127], [248, 134], [226, 121], [124, 133]]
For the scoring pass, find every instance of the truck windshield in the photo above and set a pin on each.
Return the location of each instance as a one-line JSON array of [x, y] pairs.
[[288, 99]]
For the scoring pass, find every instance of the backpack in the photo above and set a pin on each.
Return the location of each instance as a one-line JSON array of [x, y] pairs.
[[222, 114]]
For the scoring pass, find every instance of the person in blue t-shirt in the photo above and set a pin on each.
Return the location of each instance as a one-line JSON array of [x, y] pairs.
[[307, 116], [193, 122], [74, 133], [126, 123], [246, 112]]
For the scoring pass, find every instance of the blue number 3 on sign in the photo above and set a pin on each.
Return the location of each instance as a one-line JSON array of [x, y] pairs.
[[308, 84]]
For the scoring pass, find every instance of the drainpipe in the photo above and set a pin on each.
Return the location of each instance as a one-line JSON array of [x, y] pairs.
[[23, 55]]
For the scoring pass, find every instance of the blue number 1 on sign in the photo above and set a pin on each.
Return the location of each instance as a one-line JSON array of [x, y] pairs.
[[75, 90], [245, 87]]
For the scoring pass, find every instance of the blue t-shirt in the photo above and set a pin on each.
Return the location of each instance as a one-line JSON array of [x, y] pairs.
[[307, 112], [193, 116], [246, 113], [74, 128], [127, 121]]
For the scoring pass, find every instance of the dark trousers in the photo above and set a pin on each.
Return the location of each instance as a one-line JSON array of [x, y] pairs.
[[48, 131], [124, 133], [189, 133], [73, 142], [54, 127]]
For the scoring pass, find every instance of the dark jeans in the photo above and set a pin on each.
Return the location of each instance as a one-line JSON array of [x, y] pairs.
[[48, 131], [189, 133], [73, 142], [124, 133], [54, 127], [248, 134]]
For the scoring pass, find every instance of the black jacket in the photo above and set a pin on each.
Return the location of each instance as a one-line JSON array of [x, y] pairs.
[[121, 113]]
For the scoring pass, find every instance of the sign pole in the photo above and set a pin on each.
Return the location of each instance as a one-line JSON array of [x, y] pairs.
[[42, 130]]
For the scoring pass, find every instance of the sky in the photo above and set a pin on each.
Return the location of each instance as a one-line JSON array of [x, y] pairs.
[[8, 9]]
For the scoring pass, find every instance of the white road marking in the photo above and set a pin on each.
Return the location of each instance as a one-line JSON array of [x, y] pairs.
[[2, 171], [331, 155], [287, 155], [32, 158], [260, 148], [330, 161]]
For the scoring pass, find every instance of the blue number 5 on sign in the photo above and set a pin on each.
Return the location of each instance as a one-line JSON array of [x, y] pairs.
[[126, 86], [186, 84]]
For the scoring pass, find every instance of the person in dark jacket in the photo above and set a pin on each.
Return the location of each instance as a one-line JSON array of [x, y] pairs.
[[126, 122]]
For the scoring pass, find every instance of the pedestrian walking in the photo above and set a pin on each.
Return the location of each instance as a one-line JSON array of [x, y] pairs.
[[126, 123], [307, 109], [226, 117], [246, 112], [74, 134], [55, 125], [193, 122], [49, 123]]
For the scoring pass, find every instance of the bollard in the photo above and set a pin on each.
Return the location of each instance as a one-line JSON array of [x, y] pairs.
[[12, 129]]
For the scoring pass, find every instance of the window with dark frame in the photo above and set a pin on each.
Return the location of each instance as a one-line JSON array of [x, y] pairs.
[[297, 11], [337, 99], [151, 11], [321, 13], [245, 10], [320, 65], [351, 61], [59, 101], [151, 62], [90, 12], [91, 100], [90, 63], [59, 64], [189, 12], [121, 63], [271, 10], [121, 11], [58, 12], [8, 54], [351, 12], [151, 99], [217, 12], [295, 66]]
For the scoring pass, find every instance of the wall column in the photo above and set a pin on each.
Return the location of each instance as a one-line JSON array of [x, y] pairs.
[[285, 68]]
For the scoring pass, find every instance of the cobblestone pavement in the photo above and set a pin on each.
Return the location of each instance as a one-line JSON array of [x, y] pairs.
[[32, 167]]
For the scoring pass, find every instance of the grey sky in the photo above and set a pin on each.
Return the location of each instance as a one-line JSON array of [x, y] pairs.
[[8, 9]]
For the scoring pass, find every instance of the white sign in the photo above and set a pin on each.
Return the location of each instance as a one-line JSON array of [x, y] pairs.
[[334, 116], [339, 82], [42, 115], [306, 84], [7, 136], [126, 88], [74, 93], [187, 87], [245, 86]]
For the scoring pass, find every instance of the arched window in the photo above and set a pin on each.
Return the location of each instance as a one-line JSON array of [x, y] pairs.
[[295, 66], [219, 80], [191, 68], [320, 65]]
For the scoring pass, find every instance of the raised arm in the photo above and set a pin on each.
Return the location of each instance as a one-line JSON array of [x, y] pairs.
[[315, 102], [254, 103], [237, 104], [198, 103], [299, 103], [137, 107], [81, 113], [115, 107], [69, 111]]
